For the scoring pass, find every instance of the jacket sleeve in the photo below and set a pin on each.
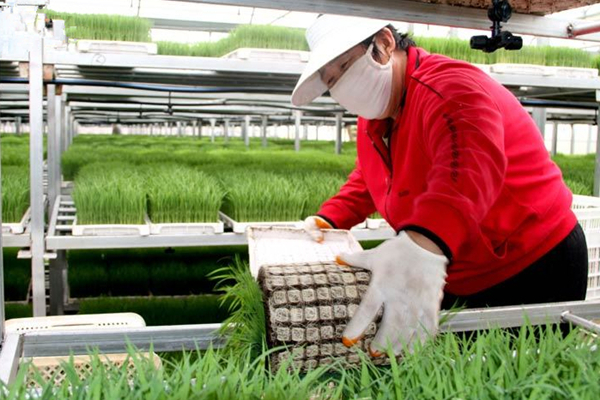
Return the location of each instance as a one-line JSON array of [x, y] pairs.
[[464, 138], [352, 205]]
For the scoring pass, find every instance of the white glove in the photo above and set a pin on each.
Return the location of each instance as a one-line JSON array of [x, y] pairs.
[[313, 226], [408, 281]]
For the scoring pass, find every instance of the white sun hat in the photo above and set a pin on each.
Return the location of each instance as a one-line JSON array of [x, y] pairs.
[[328, 37]]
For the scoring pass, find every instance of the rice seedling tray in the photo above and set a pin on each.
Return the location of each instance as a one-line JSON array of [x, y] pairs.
[[188, 228], [308, 298], [241, 227], [17, 228], [109, 46], [377, 223], [111, 229]]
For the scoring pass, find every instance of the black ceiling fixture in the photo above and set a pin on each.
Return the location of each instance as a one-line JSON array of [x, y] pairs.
[[500, 11]]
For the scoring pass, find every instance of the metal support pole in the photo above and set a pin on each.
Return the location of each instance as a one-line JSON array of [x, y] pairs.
[[226, 130], [213, 122], [246, 131], [597, 166], [18, 126], [179, 129], [2, 314], [36, 167], [572, 149], [317, 131], [65, 132], [53, 152], [305, 133], [58, 283], [554, 147], [539, 116], [264, 120], [589, 139], [338, 133], [298, 121], [199, 128]]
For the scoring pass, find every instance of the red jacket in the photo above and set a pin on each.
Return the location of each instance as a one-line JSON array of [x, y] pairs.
[[467, 165]]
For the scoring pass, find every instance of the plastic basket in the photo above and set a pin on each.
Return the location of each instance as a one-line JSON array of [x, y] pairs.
[[204, 228], [240, 227], [51, 368], [587, 211], [110, 230], [17, 228]]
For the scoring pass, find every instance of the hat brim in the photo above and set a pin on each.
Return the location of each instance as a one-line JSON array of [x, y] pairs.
[[310, 86]]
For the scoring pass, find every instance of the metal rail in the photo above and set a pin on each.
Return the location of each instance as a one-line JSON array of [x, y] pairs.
[[418, 12]]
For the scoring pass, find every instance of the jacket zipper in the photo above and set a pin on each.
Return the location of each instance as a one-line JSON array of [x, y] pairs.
[[389, 165]]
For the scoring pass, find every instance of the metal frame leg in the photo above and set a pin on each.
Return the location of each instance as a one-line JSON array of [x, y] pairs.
[[597, 166], [246, 131], [2, 310], [338, 133], [58, 283], [554, 147], [539, 116], [36, 153], [263, 130], [298, 122]]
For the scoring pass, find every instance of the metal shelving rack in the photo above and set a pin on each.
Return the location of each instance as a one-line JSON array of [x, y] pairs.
[[44, 69]]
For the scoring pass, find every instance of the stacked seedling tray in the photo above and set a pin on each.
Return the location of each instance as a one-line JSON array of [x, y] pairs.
[[308, 298]]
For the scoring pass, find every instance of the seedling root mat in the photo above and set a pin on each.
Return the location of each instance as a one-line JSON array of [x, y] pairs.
[[308, 298]]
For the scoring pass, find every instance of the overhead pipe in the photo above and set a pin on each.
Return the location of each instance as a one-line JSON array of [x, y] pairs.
[[583, 29]]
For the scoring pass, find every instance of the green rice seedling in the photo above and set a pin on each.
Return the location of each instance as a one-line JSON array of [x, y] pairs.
[[16, 153], [578, 187], [319, 187], [15, 193], [129, 279], [103, 26], [18, 310], [17, 275], [110, 193], [255, 36], [198, 309], [88, 279], [182, 194], [246, 325], [265, 197], [577, 170], [535, 364]]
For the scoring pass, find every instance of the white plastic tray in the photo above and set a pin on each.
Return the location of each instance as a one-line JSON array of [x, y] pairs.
[[377, 223], [240, 227], [587, 211], [17, 228], [110, 230], [288, 246], [204, 228]]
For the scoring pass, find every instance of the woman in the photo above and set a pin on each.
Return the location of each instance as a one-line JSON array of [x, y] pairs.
[[458, 168]]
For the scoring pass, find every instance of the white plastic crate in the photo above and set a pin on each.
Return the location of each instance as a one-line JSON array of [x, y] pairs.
[[240, 227], [587, 211], [110, 230], [51, 368], [288, 246], [204, 228], [17, 228]]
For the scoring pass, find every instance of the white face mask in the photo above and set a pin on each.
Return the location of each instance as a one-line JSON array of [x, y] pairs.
[[366, 87]]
